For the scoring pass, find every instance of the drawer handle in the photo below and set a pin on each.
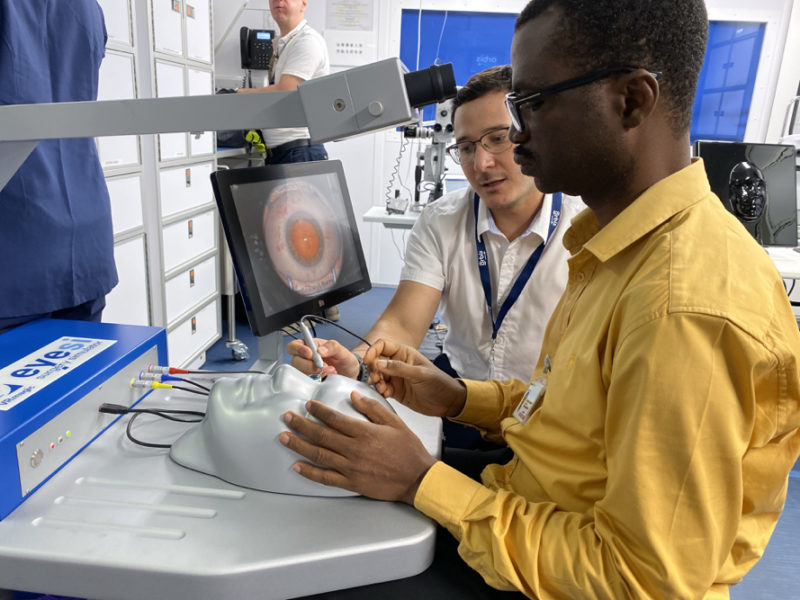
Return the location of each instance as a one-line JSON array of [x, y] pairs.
[[176, 5], [194, 325], [191, 278], [188, 173], [190, 224]]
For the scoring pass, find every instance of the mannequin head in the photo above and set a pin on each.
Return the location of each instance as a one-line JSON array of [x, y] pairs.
[[747, 191], [237, 441]]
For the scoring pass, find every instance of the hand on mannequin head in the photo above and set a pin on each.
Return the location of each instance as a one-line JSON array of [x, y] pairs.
[[403, 373], [381, 459], [244, 419], [336, 357]]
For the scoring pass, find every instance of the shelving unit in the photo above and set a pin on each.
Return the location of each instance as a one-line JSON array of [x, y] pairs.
[[165, 220]]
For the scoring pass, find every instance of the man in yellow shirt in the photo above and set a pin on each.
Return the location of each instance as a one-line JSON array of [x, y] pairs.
[[652, 447]]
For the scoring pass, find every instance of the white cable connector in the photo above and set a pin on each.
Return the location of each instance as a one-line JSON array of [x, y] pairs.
[[145, 376]]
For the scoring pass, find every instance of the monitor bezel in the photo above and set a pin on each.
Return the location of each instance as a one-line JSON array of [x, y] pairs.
[[261, 323]]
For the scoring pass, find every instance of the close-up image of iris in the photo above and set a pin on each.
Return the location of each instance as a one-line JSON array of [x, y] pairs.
[[303, 238]]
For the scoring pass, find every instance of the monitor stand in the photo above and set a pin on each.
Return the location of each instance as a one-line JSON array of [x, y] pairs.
[[270, 352]]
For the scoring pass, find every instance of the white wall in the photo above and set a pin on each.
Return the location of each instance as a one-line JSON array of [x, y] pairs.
[[229, 17], [369, 160]]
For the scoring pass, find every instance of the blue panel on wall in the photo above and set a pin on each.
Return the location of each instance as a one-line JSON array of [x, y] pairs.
[[472, 41], [727, 79]]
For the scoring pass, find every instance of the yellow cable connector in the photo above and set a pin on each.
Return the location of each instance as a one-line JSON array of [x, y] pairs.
[[158, 385]]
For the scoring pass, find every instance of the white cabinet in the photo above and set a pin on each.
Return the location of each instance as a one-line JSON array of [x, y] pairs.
[[188, 238], [118, 82], [168, 26], [185, 188], [199, 330], [128, 302], [190, 288], [126, 202], [198, 30], [169, 82], [183, 66], [119, 23], [163, 212], [121, 158], [201, 83], [183, 29]]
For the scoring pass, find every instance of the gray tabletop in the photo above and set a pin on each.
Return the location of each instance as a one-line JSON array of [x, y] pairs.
[[123, 522]]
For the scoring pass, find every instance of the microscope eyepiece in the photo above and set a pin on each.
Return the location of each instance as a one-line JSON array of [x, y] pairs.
[[428, 86]]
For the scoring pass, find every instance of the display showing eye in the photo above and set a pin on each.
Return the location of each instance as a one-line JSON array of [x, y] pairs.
[[303, 238]]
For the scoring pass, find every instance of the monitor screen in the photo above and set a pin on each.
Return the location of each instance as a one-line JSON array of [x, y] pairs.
[[756, 182], [293, 239]]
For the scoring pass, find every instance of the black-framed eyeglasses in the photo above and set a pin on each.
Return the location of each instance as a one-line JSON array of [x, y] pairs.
[[515, 103], [493, 141]]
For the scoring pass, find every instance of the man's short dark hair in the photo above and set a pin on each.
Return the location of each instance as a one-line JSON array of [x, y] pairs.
[[659, 35], [493, 79]]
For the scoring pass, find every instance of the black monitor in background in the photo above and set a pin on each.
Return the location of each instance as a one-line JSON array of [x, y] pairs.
[[293, 239], [756, 182]]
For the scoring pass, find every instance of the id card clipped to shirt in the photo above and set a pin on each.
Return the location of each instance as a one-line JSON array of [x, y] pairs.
[[531, 400], [533, 395]]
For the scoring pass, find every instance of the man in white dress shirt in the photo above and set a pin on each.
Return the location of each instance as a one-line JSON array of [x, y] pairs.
[[517, 226]]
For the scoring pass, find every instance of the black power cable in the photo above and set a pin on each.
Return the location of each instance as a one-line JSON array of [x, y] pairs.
[[314, 318], [118, 409]]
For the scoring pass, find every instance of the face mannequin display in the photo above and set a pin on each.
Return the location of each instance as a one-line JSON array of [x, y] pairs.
[[749, 197], [747, 191], [237, 441]]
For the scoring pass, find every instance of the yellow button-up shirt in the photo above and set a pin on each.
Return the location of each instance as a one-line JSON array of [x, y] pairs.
[[656, 464]]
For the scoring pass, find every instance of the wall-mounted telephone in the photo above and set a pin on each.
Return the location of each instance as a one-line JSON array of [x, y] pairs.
[[255, 46]]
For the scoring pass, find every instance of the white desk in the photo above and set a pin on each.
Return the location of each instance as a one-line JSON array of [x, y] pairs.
[[239, 158], [378, 214], [231, 152], [123, 522], [786, 259]]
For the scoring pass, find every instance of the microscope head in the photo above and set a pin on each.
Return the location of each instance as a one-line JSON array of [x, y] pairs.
[[237, 441]]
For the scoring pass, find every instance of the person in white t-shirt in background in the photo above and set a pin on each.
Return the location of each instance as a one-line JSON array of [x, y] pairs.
[[502, 216], [299, 54]]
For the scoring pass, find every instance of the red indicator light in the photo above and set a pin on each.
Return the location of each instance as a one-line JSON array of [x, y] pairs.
[[52, 446]]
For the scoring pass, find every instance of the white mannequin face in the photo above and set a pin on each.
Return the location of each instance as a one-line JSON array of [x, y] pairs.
[[237, 441]]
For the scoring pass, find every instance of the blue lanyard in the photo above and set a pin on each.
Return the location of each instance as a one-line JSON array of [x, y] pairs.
[[524, 274]]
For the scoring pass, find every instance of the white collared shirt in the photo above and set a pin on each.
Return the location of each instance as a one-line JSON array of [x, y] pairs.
[[441, 253]]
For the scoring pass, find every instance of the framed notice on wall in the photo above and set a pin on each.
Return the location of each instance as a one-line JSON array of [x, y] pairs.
[[349, 15]]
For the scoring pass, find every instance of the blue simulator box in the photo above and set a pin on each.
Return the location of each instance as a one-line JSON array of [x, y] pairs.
[[54, 374]]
